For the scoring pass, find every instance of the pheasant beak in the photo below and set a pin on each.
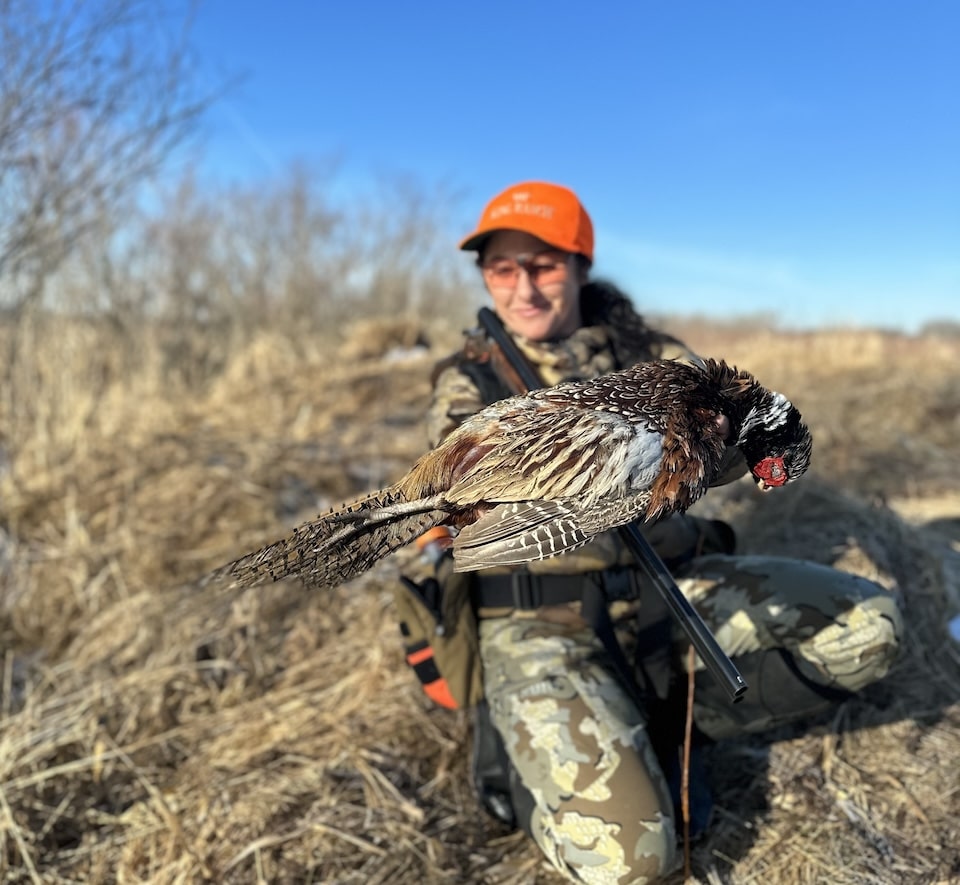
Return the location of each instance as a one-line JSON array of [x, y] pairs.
[[770, 473]]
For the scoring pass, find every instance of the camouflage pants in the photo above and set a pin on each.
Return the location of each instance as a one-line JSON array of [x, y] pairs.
[[602, 809]]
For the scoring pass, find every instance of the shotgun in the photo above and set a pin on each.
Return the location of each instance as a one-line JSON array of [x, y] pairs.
[[713, 656]]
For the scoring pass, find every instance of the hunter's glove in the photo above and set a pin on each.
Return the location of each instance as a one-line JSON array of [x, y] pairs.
[[681, 537]]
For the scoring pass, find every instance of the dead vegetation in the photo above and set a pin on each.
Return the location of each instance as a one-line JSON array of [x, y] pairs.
[[151, 733]]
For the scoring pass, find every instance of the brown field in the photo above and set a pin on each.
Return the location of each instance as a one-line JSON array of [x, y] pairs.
[[153, 733]]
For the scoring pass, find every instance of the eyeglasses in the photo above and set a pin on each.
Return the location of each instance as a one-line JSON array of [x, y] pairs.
[[504, 273]]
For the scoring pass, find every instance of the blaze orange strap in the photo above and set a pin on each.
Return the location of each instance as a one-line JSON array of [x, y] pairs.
[[434, 685], [417, 657], [439, 692]]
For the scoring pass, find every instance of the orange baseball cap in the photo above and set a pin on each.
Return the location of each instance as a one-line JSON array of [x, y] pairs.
[[549, 212]]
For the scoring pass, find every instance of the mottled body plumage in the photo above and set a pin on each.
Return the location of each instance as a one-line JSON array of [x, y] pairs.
[[537, 475]]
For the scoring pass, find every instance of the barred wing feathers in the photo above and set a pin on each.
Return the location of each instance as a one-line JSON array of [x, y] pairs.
[[542, 449], [551, 464], [513, 534]]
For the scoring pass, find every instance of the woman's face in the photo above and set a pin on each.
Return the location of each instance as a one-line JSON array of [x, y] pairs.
[[535, 288]]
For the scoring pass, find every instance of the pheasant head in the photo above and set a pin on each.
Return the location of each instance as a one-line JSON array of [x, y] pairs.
[[774, 440]]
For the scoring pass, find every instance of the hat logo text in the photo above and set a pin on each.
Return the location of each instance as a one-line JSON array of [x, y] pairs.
[[540, 209]]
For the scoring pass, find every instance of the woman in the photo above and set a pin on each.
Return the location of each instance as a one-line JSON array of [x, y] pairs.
[[585, 753]]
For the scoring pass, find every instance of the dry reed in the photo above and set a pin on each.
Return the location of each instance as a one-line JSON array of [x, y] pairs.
[[150, 733]]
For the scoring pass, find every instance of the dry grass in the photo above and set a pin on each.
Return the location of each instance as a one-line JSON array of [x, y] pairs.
[[151, 733]]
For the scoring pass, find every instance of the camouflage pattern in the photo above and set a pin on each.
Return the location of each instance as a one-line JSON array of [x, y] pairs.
[[580, 745], [603, 812], [842, 631]]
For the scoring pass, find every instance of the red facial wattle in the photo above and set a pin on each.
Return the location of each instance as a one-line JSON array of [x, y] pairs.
[[770, 473]]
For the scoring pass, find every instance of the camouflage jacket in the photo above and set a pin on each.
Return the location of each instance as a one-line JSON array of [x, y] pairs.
[[586, 354]]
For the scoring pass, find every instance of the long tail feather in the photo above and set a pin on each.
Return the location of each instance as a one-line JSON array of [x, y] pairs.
[[339, 545]]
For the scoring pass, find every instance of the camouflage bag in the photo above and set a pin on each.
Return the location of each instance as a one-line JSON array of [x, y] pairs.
[[440, 635]]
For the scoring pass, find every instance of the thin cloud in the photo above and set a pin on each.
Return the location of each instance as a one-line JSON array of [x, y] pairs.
[[637, 257], [689, 280]]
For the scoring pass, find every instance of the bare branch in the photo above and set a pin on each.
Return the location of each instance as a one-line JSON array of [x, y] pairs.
[[93, 98]]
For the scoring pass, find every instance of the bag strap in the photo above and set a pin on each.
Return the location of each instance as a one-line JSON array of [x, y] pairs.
[[485, 378]]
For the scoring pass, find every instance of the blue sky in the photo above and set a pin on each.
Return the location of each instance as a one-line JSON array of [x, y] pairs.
[[796, 159]]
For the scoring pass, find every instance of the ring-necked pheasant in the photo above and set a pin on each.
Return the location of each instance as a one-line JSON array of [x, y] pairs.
[[539, 474]]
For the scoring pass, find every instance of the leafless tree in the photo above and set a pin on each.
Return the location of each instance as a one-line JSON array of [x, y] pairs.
[[94, 96]]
